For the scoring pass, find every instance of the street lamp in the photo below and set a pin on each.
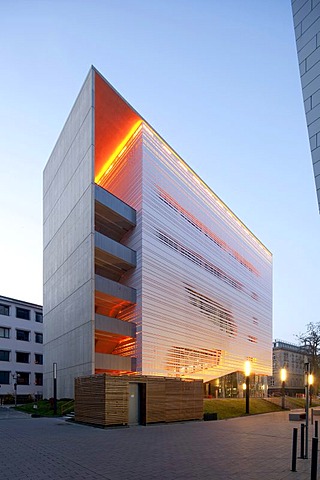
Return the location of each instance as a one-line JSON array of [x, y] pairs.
[[283, 377], [15, 385], [247, 370], [310, 382]]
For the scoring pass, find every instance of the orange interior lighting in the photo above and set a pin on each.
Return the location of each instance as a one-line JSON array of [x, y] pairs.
[[117, 151]]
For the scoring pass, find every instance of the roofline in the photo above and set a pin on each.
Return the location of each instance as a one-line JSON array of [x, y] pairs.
[[15, 300], [181, 159]]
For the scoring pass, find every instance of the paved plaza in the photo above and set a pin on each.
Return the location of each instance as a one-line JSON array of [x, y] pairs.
[[251, 448]]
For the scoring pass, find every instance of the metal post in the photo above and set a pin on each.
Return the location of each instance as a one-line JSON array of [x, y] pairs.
[[307, 365], [15, 393], [302, 441], [294, 450], [55, 389], [283, 395], [314, 459], [247, 393], [316, 428]]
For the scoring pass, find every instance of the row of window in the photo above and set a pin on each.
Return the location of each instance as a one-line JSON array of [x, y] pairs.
[[23, 313], [21, 357], [21, 378], [23, 335]]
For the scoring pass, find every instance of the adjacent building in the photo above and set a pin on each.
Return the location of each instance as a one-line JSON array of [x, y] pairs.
[[21, 349], [292, 358], [306, 18], [146, 270]]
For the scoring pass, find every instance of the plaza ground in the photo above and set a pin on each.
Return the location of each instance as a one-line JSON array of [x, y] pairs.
[[251, 448]]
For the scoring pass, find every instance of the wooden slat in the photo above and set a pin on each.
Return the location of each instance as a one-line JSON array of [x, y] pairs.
[[104, 399]]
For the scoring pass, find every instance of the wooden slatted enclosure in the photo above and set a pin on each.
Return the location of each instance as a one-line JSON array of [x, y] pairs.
[[106, 400]]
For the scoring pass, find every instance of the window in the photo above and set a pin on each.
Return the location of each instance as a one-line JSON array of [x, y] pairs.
[[4, 377], [23, 335], [22, 357], [4, 355], [22, 313], [23, 378], [39, 317], [4, 332], [4, 310], [38, 379], [38, 338], [38, 358]]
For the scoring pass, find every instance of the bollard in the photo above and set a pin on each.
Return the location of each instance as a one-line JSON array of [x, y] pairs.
[[314, 459], [316, 428], [302, 441], [294, 450]]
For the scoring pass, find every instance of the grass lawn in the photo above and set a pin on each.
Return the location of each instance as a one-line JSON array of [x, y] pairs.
[[236, 407], [45, 408]]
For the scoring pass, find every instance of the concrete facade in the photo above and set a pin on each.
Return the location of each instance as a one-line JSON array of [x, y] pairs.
[[21, 348], [68, 239], [146, 270], [306, 18]]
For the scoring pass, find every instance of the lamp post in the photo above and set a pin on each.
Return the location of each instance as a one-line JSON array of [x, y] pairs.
[[307, 377], [15, 385], [247, 370], [283, 377], [55, 388], [310, 382]]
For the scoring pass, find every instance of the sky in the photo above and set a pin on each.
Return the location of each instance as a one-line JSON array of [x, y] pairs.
[[218, 80]]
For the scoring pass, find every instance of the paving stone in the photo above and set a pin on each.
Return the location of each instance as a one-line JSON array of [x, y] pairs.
[[250, 448]]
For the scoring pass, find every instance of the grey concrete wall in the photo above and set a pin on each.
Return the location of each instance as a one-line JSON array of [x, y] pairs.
[[306, 18], [68, 249]]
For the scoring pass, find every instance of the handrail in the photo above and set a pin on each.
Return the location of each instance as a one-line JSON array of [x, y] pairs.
[[66, 406]]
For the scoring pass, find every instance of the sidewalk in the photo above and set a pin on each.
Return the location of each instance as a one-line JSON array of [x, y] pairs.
[[250, 448]]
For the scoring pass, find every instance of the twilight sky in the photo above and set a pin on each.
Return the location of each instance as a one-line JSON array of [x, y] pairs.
[[217, 79]]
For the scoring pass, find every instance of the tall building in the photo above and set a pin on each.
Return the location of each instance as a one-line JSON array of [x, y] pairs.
[[21, 349], [146, 270], [306, 18]]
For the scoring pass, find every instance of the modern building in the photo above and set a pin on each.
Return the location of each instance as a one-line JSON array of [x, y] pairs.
[[21, 349], [292, 358], [146, 270], [306, 18]]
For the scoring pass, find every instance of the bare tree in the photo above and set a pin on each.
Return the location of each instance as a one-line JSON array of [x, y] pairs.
[[310, 340]]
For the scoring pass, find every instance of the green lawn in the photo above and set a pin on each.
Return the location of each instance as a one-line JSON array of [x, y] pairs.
[[236, 407], [45, 408]]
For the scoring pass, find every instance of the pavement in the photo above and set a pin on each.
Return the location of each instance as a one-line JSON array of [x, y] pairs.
[[251, 448]]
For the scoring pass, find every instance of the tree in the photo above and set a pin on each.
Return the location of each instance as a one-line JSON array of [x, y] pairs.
[[310, 340]]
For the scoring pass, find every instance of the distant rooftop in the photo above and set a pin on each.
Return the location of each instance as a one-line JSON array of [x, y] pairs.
[[281, 344]]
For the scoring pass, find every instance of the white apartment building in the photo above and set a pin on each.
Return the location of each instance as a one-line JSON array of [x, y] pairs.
[[21, 349]]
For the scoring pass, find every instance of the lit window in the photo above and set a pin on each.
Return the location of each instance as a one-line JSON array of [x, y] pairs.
[[23, 378], [38, 379], [38, 358]]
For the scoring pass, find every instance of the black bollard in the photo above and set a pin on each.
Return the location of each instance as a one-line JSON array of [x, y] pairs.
[[294, 450], [314, 459], [316, 428], [302, 441]]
